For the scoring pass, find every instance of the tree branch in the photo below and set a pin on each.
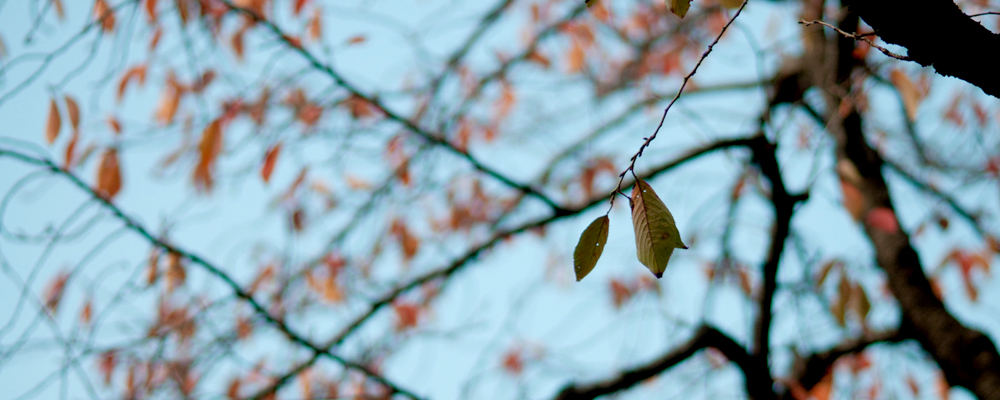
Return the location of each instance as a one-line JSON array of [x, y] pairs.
[[463, 260], [238, 291], [705, 337], [936, 33]]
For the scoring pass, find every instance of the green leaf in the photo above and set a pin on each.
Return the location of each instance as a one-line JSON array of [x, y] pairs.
[[589, 248], [679, 7], [656, 234], [590, 3]]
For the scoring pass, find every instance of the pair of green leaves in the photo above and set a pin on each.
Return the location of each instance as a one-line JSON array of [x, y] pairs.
[[656, 234]]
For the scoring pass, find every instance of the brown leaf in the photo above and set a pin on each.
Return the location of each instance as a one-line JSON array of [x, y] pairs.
[[87, 312], [208, 150], [114, 124], [70, 155], [106, 365], [151, 10], [408, 241], [854, 202], [109, 179], [175, 275], [60, 11], [53, 124], [575, 58], [54, 291], [407, 315], [138, 73], [513, 362], [299, 5], [356, 39], [907, 91], [104, 15], [153, 267], [73, 111], [270, 158], [620, 293], [154, 42], [315, 25], [170, 101]]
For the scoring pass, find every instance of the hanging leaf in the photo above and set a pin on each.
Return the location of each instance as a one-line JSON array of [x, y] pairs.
[[53, 124], [679, 7], [269, 160], [208, 150], [73, 111], [70, 156], [589, 248], [590, 3], [859, 302], [105, 15], [731, 3], [151, 10], [656, 234], [109, 178], [907, 91], [854, 202], [839, 308]]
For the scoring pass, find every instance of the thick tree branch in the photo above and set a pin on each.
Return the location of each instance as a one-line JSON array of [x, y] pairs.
[[705, 337], [808, 371], [759, 383], [967, 357], [936, 33]]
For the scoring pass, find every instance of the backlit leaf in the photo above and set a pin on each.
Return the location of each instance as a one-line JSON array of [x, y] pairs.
[[53, 123], [679, 7], [109, 176], [589, 248], [656, 234]]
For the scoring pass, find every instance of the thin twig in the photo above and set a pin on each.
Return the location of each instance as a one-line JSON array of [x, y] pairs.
[[631, 167], [858, 36]]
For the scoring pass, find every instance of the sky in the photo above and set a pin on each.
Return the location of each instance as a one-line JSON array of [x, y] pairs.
[[507, 298]]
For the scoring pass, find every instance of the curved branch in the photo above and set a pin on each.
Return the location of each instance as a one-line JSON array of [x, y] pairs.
[[705, 337]]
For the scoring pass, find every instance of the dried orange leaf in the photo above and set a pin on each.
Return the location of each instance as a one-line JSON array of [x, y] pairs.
[[70, 155], [73, 110], [269, 160], [104, 15], [53, 124], [109, 179], [60, 11], [208, 150], [908, 92], [151, 10]]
